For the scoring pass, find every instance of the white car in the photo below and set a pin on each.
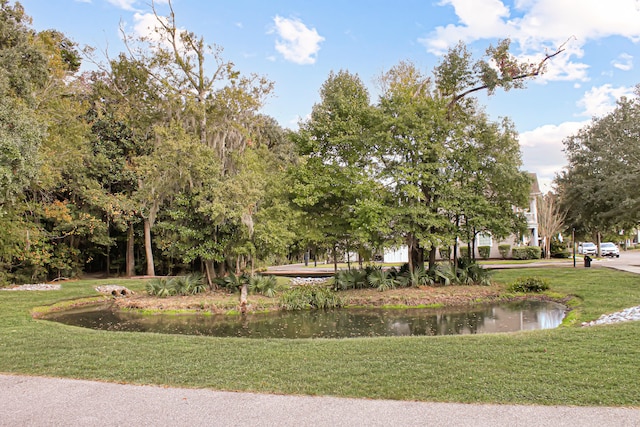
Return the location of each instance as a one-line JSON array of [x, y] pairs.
[[587, 248], [609, 249]]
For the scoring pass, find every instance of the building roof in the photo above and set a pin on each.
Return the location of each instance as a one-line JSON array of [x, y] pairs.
[[535, 188]]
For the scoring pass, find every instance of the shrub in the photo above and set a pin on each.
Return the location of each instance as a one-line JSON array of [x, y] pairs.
[[535, 252], [417, 277], [526, 252], [504, 250], [381, 280], [160, 287], [484, 251], [264, 285], [445, 252], [468, 272], [310, 297], [232, 282], [529, 284], [181, 285]]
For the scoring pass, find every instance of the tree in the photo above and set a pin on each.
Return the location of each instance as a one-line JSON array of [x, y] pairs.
[[425, 117], [335, 184], [598, 189], [550, 220]]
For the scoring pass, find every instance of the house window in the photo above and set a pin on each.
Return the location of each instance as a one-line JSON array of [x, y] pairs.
[[484, 239]]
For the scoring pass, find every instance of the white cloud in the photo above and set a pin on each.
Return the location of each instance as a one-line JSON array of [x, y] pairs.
[[124, 4], [542, 150], [601, 100], [539, 25], [297, 43], [624, 62]]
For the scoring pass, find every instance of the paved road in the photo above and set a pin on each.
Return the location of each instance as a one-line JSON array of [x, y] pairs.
[[32, 401], [37, 401]]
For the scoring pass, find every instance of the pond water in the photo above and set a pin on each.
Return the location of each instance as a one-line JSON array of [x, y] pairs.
[[343, 323]]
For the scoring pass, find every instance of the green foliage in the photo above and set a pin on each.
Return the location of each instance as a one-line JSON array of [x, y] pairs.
[[416, 278], [445, 252], [469, 272], [310, 297], [526, 252], [559, 249], [181, 285], [599, 189], [264, 285], [381, 280], [232, 281], [464, 251], [504, 250], [529, 284], [484, 251]]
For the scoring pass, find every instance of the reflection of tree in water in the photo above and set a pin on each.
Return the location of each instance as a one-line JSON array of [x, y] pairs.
[[326, 324]]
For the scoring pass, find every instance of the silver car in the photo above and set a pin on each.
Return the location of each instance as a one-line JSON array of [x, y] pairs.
[[609, 249], [587, 248]]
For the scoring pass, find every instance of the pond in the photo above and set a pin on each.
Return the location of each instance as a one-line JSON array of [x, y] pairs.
[[343, 323]]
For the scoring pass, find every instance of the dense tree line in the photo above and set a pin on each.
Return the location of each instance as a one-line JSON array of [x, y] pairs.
[[157, 161]]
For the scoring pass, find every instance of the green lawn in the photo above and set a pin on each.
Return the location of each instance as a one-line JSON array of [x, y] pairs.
[[566, 366]]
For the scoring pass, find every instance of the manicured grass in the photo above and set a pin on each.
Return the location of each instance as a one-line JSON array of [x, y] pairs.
[[566, 366]]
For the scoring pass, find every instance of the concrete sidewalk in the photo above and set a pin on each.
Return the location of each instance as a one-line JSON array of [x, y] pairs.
[[37, 401]]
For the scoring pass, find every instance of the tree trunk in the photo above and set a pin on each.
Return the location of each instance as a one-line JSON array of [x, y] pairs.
[[335, 259], [208, 269], [432, 257], [130, 260], [243, 297], [147, 248]]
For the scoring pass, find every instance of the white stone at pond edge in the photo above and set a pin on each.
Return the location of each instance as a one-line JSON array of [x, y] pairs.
[[308, 280], [625, 315], [34, 287]]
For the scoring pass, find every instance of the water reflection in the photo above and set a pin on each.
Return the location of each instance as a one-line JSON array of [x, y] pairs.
[[328, 324]]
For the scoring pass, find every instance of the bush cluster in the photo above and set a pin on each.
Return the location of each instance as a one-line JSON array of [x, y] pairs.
[[504, 250], [257, 284], [484, 251], [310, 297], [179, 285], [529, 284], [467, 273], [526, 252]]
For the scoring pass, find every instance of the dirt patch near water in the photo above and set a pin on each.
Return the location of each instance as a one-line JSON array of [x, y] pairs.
[[222, 302]]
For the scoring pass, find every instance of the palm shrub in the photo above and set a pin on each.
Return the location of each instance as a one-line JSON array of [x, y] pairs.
[[468, 272], [188, 285], [232, 281], [161, 287], [442, 274], [418, 277], [382, 280], [264, 285], [350, 279]]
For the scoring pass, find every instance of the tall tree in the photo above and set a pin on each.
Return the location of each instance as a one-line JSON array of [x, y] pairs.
[[335, 183], [598, 189], [550, 220]]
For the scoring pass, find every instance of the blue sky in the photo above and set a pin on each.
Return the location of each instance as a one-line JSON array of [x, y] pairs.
[[297, 43]]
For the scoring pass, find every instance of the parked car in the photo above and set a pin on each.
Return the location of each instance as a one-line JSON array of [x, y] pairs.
[[609, 249], [587, 248]]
